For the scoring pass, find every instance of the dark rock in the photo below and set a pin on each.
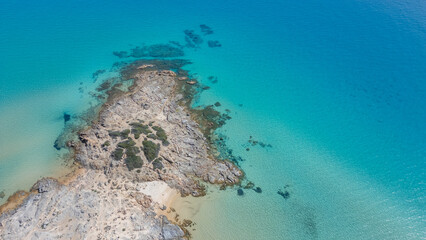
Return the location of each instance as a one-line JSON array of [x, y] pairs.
[[57, 144], [284, 194], [249, 185], [258, 190], [171, 231], [67, 117], [240, 192], [45, 185]]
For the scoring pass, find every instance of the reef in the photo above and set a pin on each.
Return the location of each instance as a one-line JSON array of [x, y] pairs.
[[284, 193], [67, 117], [212, 79], [108, 198], [154, 51], [240, 192], [96, 74], [214, 44], [206, 29], [192, 39], [223, 151], [252, 142]]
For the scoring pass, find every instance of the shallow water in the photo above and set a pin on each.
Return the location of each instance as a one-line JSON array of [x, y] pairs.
[[336, 88]]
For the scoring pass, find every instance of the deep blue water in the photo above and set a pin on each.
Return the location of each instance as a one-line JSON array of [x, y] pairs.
[[338, 88]]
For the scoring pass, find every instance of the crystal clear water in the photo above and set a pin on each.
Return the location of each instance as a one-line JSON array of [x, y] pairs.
[[337, 88]]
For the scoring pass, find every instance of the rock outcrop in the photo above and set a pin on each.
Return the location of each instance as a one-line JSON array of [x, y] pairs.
[[106, 201]]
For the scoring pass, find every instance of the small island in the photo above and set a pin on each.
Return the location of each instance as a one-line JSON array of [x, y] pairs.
[[145, 146]]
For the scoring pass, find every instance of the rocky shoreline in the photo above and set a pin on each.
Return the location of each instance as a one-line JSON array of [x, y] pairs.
[[145, 143]]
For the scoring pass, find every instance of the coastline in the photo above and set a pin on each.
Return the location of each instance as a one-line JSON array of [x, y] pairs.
[[183, 158]]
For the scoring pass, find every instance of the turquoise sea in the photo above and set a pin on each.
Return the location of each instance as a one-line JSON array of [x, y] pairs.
[[337, 88]]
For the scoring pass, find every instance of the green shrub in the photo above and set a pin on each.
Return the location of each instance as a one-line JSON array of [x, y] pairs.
[[150, 149], [127, 144], [125, 134], [156, 164], [139, 128], [161, 134], [133, 162], [114, 134], [106, 144], [117, 154], [152, 136], [132, 151]]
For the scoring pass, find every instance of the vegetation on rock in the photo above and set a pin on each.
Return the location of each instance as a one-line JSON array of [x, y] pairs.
[[150, 149], [133, 162], [117, 154], [161, 134], [127, 144], [156, 164], [139, 128]]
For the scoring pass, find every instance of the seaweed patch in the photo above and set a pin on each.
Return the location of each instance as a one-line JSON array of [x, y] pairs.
[[192, 39], [96, 74], [164, 51], [240, 192], [2, 194], [154, 51], [212, 79], [252, 143], [284, 192], [224, 152], [206, 29], [310, 224], [67, 117], [121, 54], [214, 43]]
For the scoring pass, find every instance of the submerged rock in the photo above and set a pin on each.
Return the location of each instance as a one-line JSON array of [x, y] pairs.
[[57, 144], [96, 74], [164, 51], [121, 54], [212, 79], [192, 39], [67, 117], [155, 51], [214, 44], [240, 192], [284, 194], [249, 185], [206, 29]]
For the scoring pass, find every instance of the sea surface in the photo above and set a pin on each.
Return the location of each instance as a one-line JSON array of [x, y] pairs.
[[333, 92]]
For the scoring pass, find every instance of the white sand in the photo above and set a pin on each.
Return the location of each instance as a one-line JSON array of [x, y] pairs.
[[159, 191]]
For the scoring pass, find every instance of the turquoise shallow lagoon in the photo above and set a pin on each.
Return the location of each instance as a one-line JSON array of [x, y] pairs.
[[337, 88]]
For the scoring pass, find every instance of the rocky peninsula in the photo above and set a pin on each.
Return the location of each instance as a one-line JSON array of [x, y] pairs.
[[146, 145]]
